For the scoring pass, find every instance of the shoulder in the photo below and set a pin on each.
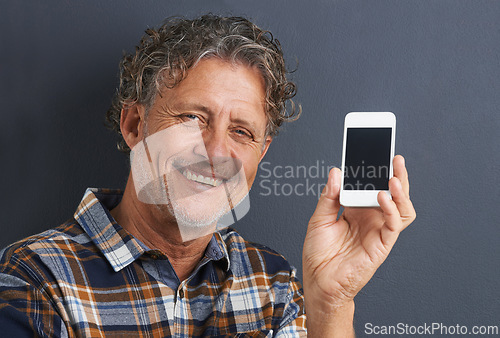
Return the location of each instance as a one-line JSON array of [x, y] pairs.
[[252, 258], [44, 242], [261, 278], [30, 257]]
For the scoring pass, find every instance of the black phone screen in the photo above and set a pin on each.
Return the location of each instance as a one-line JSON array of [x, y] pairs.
[[367, 158]]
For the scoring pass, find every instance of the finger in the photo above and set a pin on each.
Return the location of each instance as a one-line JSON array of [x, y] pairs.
[[401, 173], [402, 201], [328, 204], [393, 224]]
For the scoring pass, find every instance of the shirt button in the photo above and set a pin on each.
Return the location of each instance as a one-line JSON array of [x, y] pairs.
[[154, 256], [181, 293]]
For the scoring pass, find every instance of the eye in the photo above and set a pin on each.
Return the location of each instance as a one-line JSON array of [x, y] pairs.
[[243, 134], [187, 117], [191, 117]]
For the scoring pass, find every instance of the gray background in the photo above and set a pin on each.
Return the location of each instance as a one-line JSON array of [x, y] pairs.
[[435, 64]]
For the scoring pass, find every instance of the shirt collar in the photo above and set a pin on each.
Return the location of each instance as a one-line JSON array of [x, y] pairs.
[[118, 246], [217, 251]]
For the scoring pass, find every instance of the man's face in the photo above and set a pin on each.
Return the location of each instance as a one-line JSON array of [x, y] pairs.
[[205, 138]]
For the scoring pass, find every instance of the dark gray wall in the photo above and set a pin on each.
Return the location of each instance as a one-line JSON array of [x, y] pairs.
[[436, 64]]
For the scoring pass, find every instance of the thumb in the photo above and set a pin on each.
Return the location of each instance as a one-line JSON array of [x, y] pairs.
[[328, 205]]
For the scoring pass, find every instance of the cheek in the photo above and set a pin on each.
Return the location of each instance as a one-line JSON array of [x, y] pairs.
[[250, 165], [175, 141]]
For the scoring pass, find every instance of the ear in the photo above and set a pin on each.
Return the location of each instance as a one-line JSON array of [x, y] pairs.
[[131, 124], [267, 143]]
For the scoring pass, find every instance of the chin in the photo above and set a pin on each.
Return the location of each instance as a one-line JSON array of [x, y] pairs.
[[198, 215]]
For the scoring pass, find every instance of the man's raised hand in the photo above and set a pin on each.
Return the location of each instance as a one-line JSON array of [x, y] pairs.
[[341, 253]]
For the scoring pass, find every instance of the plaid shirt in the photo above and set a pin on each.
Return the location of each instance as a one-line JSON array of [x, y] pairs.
[[89, 277]]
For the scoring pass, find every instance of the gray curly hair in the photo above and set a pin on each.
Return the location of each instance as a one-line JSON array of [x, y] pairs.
[[164, 56]]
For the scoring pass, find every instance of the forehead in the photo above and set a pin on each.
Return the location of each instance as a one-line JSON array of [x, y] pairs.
[[219, 87]]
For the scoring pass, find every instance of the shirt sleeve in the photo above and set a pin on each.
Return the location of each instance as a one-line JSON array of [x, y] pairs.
[[293, 323], [26, 312]]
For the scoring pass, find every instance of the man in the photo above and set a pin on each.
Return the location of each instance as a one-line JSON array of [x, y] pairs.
[[198, 106]]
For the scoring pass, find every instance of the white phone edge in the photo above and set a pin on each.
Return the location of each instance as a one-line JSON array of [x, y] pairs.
[[366, 198]]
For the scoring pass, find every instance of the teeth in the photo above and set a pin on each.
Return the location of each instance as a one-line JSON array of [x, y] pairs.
[[201, 179]]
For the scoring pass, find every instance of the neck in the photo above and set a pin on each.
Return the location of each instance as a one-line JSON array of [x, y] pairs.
[[156, 227]]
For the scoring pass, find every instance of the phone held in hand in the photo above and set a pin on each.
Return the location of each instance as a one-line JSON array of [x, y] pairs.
[[368, 150]]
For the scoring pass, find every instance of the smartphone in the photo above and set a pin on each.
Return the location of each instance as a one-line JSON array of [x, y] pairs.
[[367, 156]]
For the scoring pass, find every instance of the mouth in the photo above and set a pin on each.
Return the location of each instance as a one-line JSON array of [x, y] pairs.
[[214, 182]]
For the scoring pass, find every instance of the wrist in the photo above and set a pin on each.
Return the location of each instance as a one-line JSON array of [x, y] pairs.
[[331, 314], [335, 300]]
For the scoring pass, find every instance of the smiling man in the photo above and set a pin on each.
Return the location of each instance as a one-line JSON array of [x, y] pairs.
[[197, 108], [205, 138]]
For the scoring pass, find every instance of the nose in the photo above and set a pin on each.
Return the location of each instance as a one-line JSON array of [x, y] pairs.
[[215, 145]]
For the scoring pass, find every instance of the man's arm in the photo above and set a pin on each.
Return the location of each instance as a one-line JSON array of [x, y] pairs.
[[341, 255], [25, 312], [293, 323]]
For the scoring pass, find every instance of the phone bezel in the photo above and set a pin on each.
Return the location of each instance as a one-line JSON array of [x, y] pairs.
[[366, 198]]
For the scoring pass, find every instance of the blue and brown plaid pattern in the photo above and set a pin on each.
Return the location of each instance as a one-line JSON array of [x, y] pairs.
[[91, 278]]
